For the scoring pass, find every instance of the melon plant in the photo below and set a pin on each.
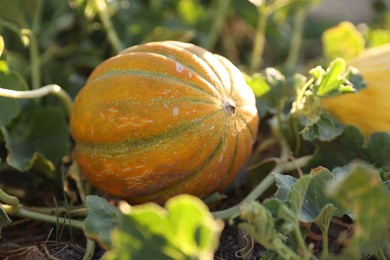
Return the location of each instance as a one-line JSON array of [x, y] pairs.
[[368, 109], [161, 119]]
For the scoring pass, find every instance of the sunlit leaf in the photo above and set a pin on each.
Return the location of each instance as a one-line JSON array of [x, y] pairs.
[[257, 84], [185, 229], [342, 41], [378, 37]]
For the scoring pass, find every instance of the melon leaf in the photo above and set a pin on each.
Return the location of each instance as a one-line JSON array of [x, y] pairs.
[[184, 229], [359, 189], [39, 135], [10, 108], [101, 219], [351, 145]]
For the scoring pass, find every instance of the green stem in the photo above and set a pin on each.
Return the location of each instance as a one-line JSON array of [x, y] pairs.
[[220, 16], [258, 46], [25, 213], [301, 243], [325, 243], [34, 47], [101, 6], [255, 193], [5, 198], [267, 182], [297, 136], [296, 40], [380, 254], [76, 212], [40, 92], [89, 250]]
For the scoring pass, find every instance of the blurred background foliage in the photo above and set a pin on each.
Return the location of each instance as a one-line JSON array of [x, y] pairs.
[[71, 39]]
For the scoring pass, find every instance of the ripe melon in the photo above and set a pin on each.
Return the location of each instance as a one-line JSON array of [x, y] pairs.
[[161, 119]]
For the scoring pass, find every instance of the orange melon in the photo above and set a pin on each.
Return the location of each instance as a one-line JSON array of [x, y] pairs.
[[161, 119]]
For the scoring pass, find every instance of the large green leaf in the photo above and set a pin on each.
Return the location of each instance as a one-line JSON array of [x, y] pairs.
[[351, 145], [101, 219], [43, 133], [360, 190], [185, 229]]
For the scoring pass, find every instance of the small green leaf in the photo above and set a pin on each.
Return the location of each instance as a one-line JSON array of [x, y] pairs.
[[258, 84], [321, 125], [297, 194], [360, 190], [184, 230], [342, 41], [325, 215], [278, 94], [9, 107], [284, 183], [101, 219], [293, 192], [260, 224], [4, 219], [334, 81], [316, 198], [318, 123], [44, 132]]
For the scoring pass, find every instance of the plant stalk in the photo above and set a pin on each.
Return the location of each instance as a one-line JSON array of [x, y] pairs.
[[259, 44], [19, 211], [40, 92], [267, 182], [35, 62], [301, 243], [296, 40], [222, 10], [104, 16], [255, 193], [5, 198], [89, 250]]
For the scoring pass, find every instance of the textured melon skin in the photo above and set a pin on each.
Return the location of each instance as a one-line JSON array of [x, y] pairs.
[[370, 108], [161, 119]]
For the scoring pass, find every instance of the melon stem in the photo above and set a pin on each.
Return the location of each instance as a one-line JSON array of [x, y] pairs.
[[229, 106]]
